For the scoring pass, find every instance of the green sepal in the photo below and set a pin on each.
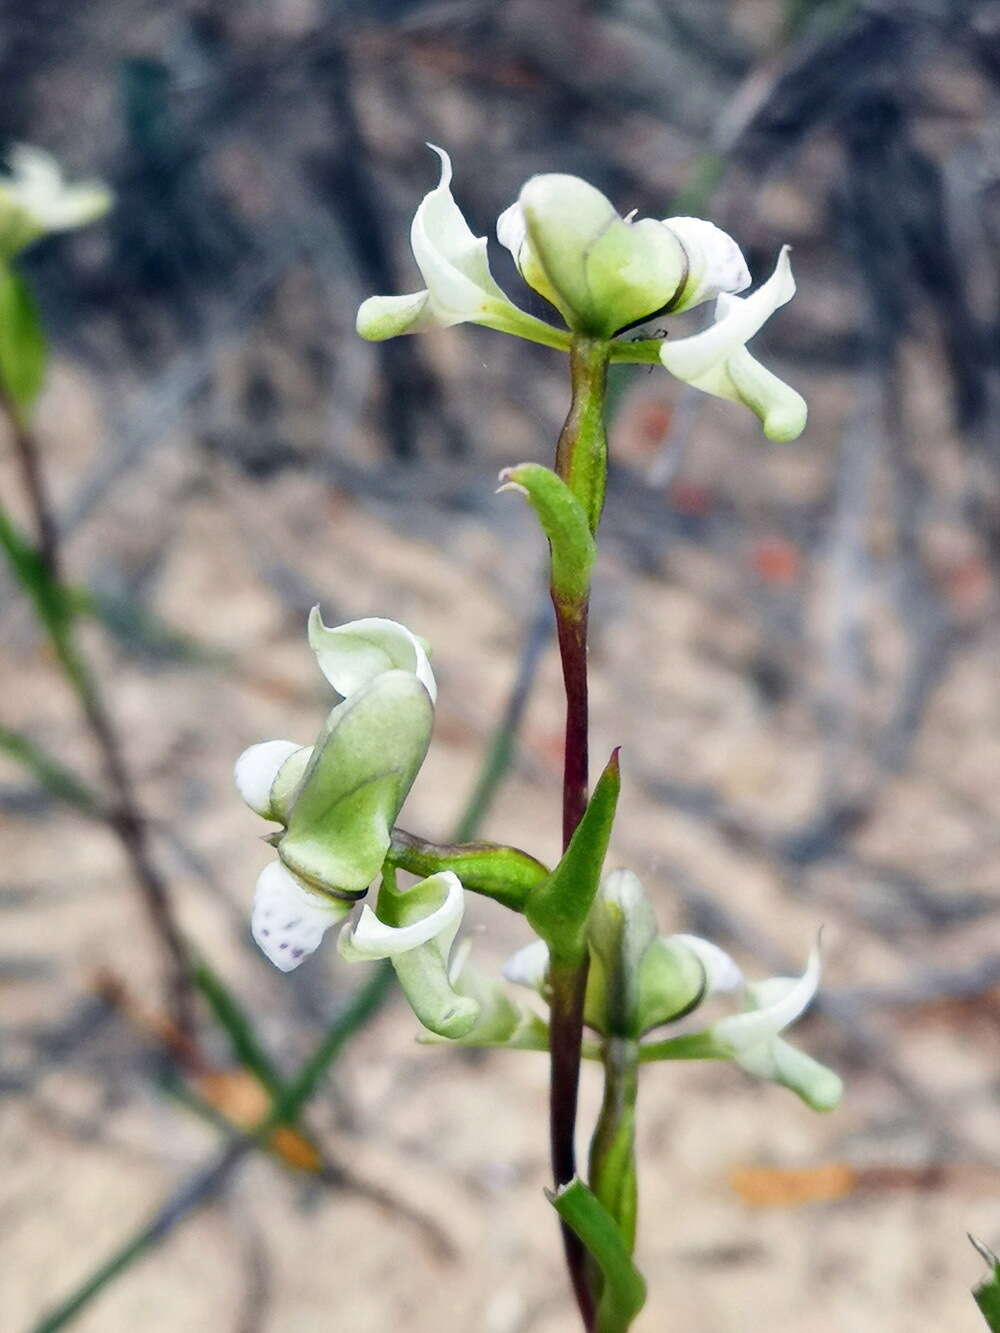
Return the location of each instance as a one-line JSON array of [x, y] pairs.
[[564, 523], [691, 1046], [987, 1294], [361, 770], [623, 1292], [23, 345], [672, 982], [557, 909], [505, 874]]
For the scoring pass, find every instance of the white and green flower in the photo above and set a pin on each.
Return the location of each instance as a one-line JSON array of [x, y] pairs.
[[605, 274], [337, 800]]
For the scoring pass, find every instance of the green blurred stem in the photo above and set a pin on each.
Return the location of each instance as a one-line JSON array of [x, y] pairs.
[[612, 1149], [55, 608]]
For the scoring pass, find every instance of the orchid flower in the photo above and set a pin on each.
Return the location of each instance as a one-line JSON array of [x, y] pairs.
[[752, 1039], [605, 274], [337, 800], [35, 199]]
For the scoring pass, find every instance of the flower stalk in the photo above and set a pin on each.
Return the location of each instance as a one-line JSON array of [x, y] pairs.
[[581, 462]]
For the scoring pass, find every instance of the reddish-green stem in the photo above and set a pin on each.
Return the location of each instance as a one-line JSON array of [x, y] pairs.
[[581, 461]]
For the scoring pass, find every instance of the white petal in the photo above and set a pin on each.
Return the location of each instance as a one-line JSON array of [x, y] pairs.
[[256, 770], [737, 320], [528, 967], [370, 938], [452, 260], [512, 232], [715, 261], [624, 888], [721, 973], [352, 655], [785, 999], [289, 920]]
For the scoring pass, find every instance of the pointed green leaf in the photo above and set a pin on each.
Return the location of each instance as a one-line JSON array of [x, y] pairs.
[[505, 874], [987, 1294], [624, 1289], [558, 907]]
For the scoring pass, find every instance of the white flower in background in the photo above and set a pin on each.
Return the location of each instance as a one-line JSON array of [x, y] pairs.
[[605, 274], [337, 800], [35, 199], [754, 1039], [717, 361]]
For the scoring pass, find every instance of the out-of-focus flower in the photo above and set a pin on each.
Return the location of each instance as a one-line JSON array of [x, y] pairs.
[[35, 199]]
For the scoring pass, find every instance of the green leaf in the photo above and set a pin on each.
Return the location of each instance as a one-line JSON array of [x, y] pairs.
[[505, 874], [987, 1294], [558, 908], [564, 523], [55, 606], [23, 347], [50, 774], [624, 1290]]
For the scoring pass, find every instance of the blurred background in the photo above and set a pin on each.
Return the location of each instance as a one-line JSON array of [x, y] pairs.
[[796, 645]]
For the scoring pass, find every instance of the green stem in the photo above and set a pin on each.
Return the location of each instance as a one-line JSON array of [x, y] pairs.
[[612, 1149]]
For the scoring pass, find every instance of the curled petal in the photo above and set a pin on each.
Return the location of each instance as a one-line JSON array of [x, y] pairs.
[[452, 260], [352, 655], [256, 770], [717, 362], [721, 973], [429, 915], [778, 1003], [737, 320], [434, 906], [715, 263], [290, 919]]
